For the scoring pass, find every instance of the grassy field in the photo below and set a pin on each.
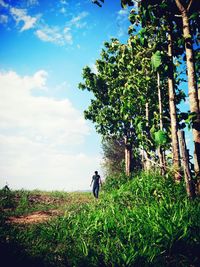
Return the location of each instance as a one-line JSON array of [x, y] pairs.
[[147, 221]]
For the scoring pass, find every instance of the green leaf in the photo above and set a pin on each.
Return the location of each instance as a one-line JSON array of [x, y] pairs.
[[194, 16], [156, 60], [132, 16], [160, 137], [142, 40]]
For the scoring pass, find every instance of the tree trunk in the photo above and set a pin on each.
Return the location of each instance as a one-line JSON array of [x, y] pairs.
[[160, 119], [128, 157], [172, 108], [161, 154], [192, 85], [147, 163], [160, 101], [190, 189]]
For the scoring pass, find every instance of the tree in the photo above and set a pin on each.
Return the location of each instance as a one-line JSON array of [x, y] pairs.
[[157, 65], [113, 153], [167, 12], [172, 106], [186, 10], [121, 89], [108, 110]]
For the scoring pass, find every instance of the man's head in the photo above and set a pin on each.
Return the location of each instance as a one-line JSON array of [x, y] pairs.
[[96, 172]]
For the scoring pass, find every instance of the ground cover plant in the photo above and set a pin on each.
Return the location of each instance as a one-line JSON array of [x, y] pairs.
[[147, 221]]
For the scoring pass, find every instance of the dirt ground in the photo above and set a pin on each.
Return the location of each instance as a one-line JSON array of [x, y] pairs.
[[42, 216], [35, 217]]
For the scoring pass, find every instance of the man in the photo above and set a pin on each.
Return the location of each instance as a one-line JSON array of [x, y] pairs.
[[96, 180]]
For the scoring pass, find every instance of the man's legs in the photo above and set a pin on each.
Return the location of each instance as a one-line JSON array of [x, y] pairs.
[[96, 191], [93, 191]]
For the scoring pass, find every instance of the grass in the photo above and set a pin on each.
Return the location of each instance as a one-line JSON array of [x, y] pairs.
[[147, 221]]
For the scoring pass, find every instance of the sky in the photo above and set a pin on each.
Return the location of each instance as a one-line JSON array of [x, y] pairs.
[[45, 142]]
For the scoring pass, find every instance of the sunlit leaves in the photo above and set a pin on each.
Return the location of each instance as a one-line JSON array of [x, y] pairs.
[[160, 137], [156, 60]]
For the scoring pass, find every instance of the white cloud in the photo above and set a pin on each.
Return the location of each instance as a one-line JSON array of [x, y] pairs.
[[47, 33], [122, 13], [39, 137], [38, 116], [122, 19], [77, 21], [55, 35], [94, 68], [27, 164], [3, 19], [63, 10], [67, 35], [21, 15], [58, 35], [3, 4]]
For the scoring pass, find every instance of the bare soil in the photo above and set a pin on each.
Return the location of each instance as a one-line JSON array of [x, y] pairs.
[[35, 217], [42, 216]]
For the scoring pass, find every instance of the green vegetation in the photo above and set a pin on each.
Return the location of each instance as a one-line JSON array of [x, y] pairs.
[[137, 88], [22, 202], [145, 221]]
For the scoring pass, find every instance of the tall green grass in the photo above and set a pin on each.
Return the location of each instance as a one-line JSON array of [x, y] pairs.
[[147, 221]]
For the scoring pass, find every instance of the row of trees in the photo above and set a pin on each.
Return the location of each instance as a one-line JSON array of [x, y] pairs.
[[136, 87]]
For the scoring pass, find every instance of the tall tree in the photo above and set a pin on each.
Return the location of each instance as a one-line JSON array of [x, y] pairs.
[[121, 88], [169, 12], [111, 114], [185, 9], [188, 10], [172, 104]]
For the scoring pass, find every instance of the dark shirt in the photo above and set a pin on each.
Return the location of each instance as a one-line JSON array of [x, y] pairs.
[[96, 179]]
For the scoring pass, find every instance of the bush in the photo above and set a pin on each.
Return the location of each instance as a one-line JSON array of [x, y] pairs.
[[114, 181], [6, 198]]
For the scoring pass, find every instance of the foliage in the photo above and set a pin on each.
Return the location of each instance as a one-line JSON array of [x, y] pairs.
[[115, 181], [147, 221], [6, 198], [113, 155], [156, 60], [22, 202], [160, 137]]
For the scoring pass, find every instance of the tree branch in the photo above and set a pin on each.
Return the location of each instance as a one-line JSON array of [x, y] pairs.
[[180, 7], [189, 5]]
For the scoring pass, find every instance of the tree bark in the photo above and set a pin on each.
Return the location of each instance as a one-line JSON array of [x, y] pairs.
[[190, 189], [128, 157], [192, 85], [160, 101], [172, 108], [147, 163], [161, 154]]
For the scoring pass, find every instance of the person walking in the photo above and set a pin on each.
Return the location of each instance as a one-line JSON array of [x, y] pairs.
[[96, 180]]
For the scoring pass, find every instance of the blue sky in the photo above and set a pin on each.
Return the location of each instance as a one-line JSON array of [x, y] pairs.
[[45, 142]]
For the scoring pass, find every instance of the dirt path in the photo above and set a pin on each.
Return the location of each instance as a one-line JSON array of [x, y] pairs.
[[42, 216], [35, 217]]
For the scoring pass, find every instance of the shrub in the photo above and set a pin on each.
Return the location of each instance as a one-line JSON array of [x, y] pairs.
[[6, 198]]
